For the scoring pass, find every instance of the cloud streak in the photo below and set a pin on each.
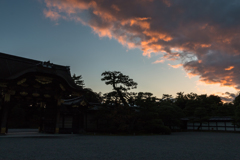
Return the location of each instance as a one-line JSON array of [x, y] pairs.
[[159, 61], [227, 97], [204, 35], [175, 66], [229, 68]]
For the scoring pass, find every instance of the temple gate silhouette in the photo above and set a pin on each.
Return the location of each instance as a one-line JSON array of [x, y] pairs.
[[45, 85]]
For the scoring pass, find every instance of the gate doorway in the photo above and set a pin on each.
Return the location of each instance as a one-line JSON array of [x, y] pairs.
[[24, 116]]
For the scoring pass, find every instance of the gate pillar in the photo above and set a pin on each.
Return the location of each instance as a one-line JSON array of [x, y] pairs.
[[59, 102], [4, 115]]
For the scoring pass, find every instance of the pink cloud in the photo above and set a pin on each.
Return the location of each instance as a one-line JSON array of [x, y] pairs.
[[51, 14], [204, 35], [175, 66], [159, 61]]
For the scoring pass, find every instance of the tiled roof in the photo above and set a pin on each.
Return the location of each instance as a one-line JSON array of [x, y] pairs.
[[12, 67]]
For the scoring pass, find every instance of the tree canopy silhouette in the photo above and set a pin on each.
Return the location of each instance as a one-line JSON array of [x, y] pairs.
[[78, 80], [121, 84]]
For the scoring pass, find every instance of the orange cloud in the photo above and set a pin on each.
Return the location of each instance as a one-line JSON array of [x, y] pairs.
[[51, 14], [205, 45], [159, 61], [190, 75], [229, 68], [103, 32], [104, 16], [137, 21], [158, 36], [175, 66], [209, 47], [143, 18]]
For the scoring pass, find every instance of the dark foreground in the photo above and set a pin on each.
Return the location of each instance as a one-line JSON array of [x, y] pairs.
[[185, 145]]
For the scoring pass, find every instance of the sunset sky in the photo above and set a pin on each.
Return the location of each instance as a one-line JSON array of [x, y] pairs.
[[166, 46]]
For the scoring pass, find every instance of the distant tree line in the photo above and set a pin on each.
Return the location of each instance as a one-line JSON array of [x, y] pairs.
[[127, 112]]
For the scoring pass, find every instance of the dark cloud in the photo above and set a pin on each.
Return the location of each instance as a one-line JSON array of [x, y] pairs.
[[204, 34], [216, 67], [228, 97]]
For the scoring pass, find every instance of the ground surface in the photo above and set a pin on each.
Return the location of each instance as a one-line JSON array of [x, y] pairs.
[[184, 145]]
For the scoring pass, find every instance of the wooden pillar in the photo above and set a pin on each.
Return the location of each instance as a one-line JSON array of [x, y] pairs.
[[57, 121], [41, 124], [4, 119], [58, 117], [5, 114]]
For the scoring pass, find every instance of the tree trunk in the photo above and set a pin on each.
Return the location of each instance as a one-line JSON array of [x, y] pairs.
[[120, 95]]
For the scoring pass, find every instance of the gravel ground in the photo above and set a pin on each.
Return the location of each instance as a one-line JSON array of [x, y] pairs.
[[184, 145]]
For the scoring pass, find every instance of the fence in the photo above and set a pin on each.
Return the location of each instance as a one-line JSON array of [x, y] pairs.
[[214, 124]]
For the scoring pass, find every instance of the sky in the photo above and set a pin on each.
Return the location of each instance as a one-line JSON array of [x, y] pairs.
[[166, 46]]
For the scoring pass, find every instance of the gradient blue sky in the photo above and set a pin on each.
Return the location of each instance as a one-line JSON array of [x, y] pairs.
[[26, 31]]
